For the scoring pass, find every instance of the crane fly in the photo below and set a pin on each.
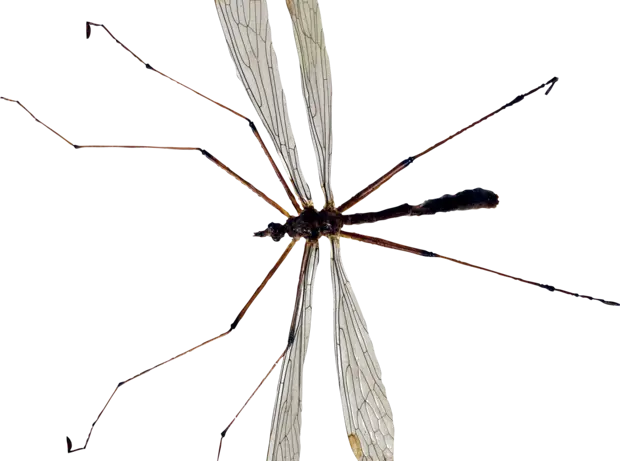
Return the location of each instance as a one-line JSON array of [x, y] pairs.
[[309, 224]]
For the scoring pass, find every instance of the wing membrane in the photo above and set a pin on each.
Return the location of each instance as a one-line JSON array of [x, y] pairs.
[[316, 82], [367, 412], [248, 35], [286, 421]]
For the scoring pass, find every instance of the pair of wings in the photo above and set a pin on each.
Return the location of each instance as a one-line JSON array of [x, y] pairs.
[[367, 413]]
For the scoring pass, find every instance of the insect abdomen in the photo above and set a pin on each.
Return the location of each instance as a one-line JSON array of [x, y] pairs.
[[463, 200]]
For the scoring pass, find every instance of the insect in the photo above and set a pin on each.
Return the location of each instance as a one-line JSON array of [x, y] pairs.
[[358, 441]]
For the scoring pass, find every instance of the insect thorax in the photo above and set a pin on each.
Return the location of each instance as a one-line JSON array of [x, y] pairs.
[[310, 224]]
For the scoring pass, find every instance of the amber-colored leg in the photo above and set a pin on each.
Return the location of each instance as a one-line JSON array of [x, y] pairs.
[[259, 289], [276, 169], [156, 147], [226, 169], [223, 434], [397, 169], [380, 242], [94, 24], [54, 131], [300, 277]]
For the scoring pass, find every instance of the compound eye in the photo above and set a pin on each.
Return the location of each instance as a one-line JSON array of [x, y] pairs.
[[273, 226]]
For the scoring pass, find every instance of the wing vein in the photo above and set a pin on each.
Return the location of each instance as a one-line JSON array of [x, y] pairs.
[[284, 441], [367, 412], [246, 28]]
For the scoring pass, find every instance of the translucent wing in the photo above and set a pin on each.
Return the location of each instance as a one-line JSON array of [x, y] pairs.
[[286, 422], [246, 27], [316, 81], [367, 412]]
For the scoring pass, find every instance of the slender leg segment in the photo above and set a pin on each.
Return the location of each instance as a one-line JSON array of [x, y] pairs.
[[91, 25], [180, 147], [276, 170], [251, 187], [158, 147], [223, 434], [252, 126], [262, 285], [300, 278], [232, 327], [408, 161], [139, 147], [276, 362], [70, 448], [419, 252], [37, 120]]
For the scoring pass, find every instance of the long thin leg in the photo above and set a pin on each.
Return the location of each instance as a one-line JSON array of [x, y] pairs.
[[291, 335], [223, 434], [226, 169], [419, 252], [92, 24], [276, 170], [54, 131], [405, 163], [251, 123], [232, 327], [140, 147], [156, 147]]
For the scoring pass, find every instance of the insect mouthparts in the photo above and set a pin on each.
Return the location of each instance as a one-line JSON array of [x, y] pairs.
[[261, 233], [274, 230]]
